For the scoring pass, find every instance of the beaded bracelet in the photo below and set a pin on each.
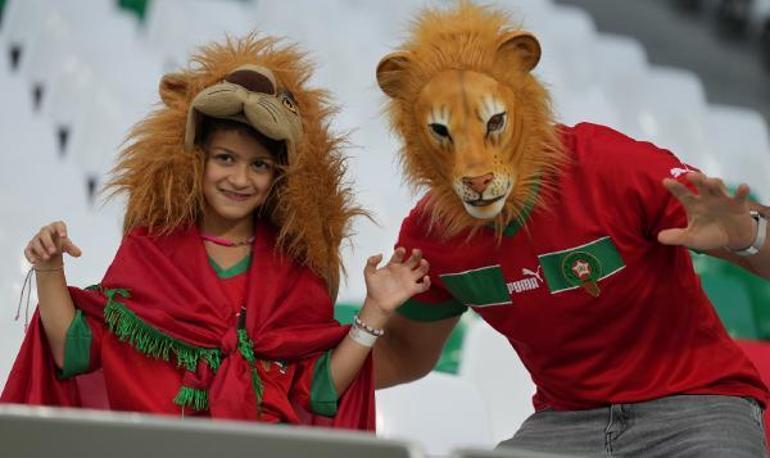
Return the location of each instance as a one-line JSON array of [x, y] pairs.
[[365, 327]]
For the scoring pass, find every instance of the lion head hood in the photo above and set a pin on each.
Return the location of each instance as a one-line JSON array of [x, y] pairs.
[[476, 124], [161, 168]]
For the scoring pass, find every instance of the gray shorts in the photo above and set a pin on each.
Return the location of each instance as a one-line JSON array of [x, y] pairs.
[[700, 426]]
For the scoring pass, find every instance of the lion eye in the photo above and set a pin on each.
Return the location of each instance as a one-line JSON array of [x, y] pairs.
[[289, 103], [496, 122], [439, 129]]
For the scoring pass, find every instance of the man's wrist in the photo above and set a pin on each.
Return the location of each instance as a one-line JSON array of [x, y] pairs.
[[759, 234]]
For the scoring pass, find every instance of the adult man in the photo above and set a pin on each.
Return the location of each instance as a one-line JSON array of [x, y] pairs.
[[626, 351]]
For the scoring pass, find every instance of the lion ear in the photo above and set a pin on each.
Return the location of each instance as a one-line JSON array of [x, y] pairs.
[[390, 72], [520, 49], [173, 89]]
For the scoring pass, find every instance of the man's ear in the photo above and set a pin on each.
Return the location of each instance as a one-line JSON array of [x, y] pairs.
[[520, 49], [390, 72], [173, 89]]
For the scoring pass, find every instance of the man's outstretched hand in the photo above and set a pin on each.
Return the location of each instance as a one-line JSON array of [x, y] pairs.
[[714, 218]]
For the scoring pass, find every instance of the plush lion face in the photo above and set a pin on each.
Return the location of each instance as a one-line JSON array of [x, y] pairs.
[[476, 124]]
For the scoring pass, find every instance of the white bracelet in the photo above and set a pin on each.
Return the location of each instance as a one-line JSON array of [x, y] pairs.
[[362, 337], [759, 237]]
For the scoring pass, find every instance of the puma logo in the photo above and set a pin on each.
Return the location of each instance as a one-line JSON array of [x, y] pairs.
[[532, 281]]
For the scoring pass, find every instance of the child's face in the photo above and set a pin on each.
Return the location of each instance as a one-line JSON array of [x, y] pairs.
[[238, 175]]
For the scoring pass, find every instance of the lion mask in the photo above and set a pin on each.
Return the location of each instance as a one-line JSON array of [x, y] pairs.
[[476, 125]]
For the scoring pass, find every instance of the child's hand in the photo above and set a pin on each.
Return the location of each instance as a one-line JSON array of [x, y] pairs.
[[46, 247], [388, 287]]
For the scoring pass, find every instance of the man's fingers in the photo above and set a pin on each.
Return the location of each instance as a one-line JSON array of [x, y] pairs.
[[698, 180], [675, 236], [680, 191], [742, 193], [716, 187]]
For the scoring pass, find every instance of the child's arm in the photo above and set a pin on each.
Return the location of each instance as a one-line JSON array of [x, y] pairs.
[[57, 310], [387, 288]]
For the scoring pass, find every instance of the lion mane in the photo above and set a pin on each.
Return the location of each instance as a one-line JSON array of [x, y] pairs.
[[476, 38], [312, 204]]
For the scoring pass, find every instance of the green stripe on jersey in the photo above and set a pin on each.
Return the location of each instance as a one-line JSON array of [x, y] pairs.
[[480, 287], [600, 258], [423, 311]]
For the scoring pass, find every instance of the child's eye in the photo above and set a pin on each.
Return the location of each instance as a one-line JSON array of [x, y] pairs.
[[261, 165], [224, 158]]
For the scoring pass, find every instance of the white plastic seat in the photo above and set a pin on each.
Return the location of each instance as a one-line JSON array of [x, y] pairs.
[[20, 18], [742, 146], [490, 364], [441, 412], [175, 28], [622, 60]]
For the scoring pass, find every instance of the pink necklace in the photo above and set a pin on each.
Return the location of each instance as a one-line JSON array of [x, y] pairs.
[[225, 242]]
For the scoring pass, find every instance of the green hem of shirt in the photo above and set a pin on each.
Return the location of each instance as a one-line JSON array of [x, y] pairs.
[[237, 269], [323, 394], [77, 347], [421, 311]]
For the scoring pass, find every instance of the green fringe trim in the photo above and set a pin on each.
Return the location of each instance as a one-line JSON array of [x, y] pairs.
[[193, 398], [128, 327], [246, 347], [150, 341]]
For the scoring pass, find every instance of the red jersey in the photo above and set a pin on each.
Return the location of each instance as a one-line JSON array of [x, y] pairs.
[[598, 310]]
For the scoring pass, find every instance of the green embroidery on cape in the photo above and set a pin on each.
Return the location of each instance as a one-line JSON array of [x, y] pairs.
[[194, 398], [592, 261], [480, 287], [246, 347], [146, 339]]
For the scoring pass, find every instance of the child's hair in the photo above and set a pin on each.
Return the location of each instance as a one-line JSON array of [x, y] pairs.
[[277, 148]]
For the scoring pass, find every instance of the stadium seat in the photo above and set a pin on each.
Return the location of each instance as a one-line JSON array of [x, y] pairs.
[[490, 364], [440, 412], [742, 145], [740, 298]]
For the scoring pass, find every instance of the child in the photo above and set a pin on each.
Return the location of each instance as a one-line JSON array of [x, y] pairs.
[[219, 300]]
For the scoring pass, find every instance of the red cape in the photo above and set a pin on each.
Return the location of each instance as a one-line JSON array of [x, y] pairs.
[[167, 283]]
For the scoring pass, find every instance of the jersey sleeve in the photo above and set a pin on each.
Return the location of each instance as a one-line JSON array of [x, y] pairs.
[[633, 171], [437, 303], [313, 386], [82, 346]]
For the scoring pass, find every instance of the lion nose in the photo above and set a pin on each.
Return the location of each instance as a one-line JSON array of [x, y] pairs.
[[252, 80], [479, 183]]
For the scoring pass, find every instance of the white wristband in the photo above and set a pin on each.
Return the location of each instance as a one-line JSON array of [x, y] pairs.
[[759, 238], [362, 337]]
